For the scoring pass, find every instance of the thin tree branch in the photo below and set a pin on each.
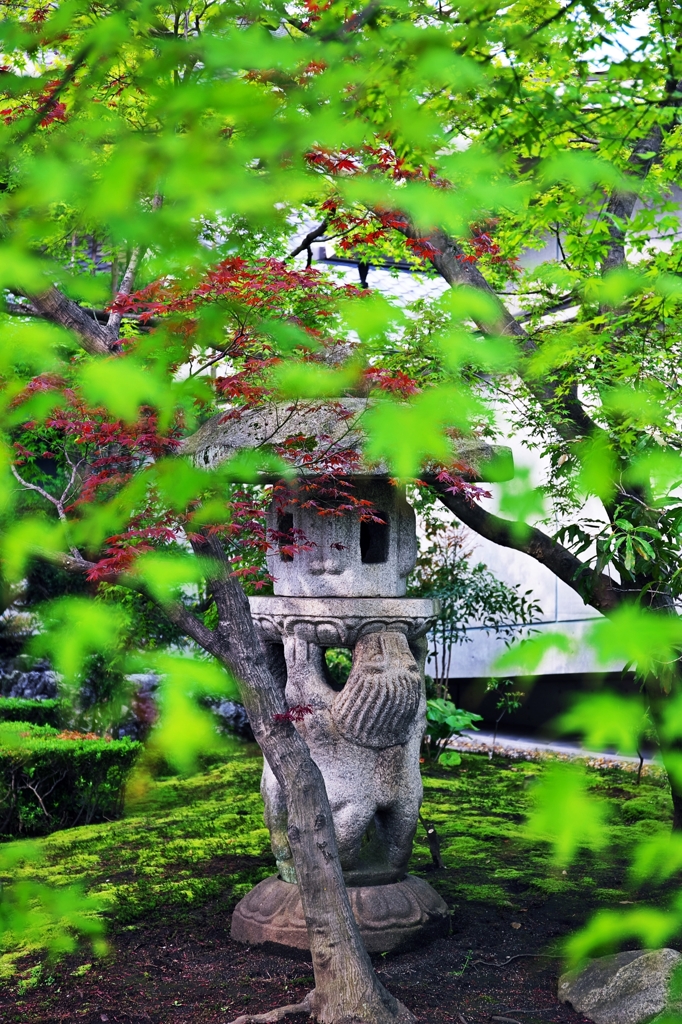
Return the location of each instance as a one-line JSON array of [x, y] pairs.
[[310, 237], [176, 612], [596, 589], [41, 491], [97, 339], [357, 21], [20, 308], [125, 288], [57, 502], [548, 21], [55, 93], [100, 316], [75, 466]]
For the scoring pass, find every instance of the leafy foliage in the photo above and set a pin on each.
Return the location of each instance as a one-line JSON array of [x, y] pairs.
[[443, 722], [152, 165], [53, 779], [37, 712], [181, 843], [199, 841]]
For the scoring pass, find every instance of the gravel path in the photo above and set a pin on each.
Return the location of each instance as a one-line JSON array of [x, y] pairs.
[[524, 749]]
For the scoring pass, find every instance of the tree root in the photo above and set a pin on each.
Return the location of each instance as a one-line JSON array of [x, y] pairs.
[[403, 1015], [272, 1016]]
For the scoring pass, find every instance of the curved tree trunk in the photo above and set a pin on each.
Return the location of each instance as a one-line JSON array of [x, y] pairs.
[[346, 988]]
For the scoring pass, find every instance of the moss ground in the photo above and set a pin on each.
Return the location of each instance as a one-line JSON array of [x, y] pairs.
[[480, 807], [189, 848]]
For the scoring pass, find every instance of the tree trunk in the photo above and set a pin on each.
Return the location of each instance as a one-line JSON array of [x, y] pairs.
[[346, 988]]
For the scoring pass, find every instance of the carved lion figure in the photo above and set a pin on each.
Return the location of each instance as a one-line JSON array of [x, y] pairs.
[[365, 740]]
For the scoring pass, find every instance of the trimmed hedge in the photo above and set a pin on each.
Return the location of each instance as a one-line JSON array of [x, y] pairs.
[[51, 780], [39, 712]]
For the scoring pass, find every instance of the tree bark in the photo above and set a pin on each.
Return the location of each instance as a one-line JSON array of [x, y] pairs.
[[622, 203], [346, 987], [54, 306]]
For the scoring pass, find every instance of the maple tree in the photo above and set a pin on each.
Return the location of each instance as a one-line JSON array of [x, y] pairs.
[[154, 162]]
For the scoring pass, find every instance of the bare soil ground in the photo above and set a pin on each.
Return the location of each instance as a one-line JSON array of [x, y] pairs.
[[202, 843], [198, 975]]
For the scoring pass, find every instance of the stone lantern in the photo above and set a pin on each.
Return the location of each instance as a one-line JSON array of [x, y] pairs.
[[346, 590]]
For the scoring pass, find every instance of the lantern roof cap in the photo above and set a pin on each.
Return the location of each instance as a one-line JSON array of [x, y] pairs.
[[323, 437]]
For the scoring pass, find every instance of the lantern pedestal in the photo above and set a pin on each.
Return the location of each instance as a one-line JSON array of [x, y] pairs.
[[390, 917]]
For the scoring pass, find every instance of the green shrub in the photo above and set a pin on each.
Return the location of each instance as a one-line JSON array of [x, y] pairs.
[[443, 721], [38, 712], [51, 780]]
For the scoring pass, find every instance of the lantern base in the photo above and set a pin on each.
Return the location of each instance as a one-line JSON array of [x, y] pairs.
[[390, 917]]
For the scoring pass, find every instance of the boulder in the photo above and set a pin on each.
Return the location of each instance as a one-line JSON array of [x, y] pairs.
[[628, 988], [31, 680]]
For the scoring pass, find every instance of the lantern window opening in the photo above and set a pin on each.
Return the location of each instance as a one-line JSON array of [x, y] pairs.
[[374, 540], [285, 527]]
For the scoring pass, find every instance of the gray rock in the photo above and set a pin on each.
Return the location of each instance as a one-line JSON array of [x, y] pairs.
[[628, 988], [232, 717], [20, 678]]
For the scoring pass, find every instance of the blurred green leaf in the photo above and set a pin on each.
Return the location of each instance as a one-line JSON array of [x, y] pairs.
[[310, 380], [372, 316], [494, 355], [44, 917], [597, 467], [31, 344], [466, 303], [185, 729], [164, 574], [24, 539], [520, 500], [613, 288], [609, 929], [606, 720], [525, 657], [74, 628], [580, 169], [408, 434], [657, 858], [637, 636], [288, 336], [565, 814], [122, 385]]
